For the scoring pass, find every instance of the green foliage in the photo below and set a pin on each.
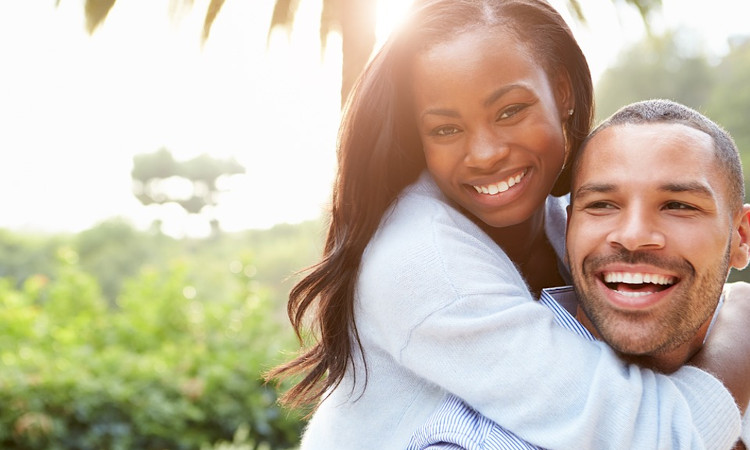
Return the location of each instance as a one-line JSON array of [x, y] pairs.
[[114, 250], [284, 250], [175, 362], [665, 66], [18, 253], [730, 102]]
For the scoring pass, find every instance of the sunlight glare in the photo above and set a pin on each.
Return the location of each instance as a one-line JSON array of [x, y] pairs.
[[390, 15]]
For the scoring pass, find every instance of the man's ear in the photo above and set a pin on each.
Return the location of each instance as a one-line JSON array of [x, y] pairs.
[[568, 210], [740, 250]]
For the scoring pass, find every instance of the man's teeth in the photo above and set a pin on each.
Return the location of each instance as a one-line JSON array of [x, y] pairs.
[[633, 293], [502, 186], [637, 278]]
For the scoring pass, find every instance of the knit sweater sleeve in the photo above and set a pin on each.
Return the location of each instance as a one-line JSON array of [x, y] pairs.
[[448, 305]]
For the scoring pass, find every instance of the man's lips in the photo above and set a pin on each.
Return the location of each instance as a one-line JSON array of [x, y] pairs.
[[635, 290]]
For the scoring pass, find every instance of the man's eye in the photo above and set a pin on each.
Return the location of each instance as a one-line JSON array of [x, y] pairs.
[[679, 206], [444, 131], [510, 111], [599, 205]]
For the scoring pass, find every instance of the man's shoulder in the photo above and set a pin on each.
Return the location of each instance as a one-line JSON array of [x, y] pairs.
[[458, 425], [561, 296], [563, 302]]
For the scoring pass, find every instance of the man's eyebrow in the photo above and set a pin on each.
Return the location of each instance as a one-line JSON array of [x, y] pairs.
[[594, 188], [692, 187]]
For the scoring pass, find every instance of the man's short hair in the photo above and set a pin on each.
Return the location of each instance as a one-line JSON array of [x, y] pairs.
[[667, 111]]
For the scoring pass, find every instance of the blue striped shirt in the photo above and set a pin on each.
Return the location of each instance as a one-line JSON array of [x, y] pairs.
[[457, 426]]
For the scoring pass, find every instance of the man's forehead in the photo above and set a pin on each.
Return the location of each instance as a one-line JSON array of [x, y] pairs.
[[656, 157], [672, 147]]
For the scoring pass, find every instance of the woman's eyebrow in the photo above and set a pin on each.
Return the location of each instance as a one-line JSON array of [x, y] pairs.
[[441, 112], [492, 98]]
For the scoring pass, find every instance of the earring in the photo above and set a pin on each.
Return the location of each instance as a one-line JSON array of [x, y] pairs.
[[571, 111]]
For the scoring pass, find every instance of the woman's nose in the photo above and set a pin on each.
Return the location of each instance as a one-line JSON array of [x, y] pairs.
[[484, 150]]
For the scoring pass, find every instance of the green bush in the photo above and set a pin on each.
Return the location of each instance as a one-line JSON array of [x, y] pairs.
[[166, 368]]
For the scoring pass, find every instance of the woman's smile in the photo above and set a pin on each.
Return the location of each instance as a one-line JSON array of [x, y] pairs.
[[502, 186]]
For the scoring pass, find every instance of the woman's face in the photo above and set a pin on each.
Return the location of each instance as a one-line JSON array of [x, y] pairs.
[[490, 122]]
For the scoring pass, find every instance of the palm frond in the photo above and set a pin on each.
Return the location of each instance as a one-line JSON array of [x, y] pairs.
[[645, 8], [574, 6], [330, 20], [213, 10], [283, 15], [96, 11]]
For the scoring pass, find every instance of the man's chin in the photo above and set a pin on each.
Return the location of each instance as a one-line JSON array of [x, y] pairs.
[[633, 340]]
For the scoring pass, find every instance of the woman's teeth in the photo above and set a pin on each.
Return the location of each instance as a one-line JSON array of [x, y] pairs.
[[502, 186]]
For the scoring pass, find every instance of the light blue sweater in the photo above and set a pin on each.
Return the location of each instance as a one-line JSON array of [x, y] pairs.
[[440, 308]]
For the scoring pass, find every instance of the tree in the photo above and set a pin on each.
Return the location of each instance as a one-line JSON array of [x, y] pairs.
[[730, 103], [354, 19], [158, 179], [97, 10], [657, 67]]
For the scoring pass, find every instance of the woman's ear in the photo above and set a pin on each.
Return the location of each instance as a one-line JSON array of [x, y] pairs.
[[564, 95], [740, 246]]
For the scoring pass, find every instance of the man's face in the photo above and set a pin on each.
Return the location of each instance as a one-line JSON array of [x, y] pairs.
[[651, 236]]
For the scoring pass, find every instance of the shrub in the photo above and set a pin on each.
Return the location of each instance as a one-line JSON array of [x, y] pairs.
[[165, 368]]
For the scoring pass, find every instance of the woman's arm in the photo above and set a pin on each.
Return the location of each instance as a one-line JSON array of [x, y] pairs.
[[726, 353]]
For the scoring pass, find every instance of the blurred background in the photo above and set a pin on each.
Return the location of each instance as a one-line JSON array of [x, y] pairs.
[[166, 166]]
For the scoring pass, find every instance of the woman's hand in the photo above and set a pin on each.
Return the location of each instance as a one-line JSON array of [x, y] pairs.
[[726, 353]]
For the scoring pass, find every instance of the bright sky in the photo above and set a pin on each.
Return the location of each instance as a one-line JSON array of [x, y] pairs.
[[75, 108]]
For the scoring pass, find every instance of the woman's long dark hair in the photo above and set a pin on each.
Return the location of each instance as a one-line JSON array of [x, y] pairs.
[[379, 154]]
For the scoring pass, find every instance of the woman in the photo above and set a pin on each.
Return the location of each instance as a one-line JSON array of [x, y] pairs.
[[442, 234]]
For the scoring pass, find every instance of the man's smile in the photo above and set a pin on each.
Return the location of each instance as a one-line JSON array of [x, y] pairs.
[[636, 284]]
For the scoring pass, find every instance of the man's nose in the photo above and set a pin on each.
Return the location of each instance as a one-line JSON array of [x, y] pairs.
[[638, 230]]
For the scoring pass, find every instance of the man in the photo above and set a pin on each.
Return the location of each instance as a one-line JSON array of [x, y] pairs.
[[653, 229], [655, 223]]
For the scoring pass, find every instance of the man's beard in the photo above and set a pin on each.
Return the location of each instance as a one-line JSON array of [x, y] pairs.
[[697, 295]]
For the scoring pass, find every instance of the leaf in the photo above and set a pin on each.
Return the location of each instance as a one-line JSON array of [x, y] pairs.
[[213, 10], [96, 11], [645, 7], [283, 15], [330, 20], [574, 6]]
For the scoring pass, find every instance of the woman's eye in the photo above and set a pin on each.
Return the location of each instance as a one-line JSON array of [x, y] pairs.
[[510, 111], [444, 131]]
